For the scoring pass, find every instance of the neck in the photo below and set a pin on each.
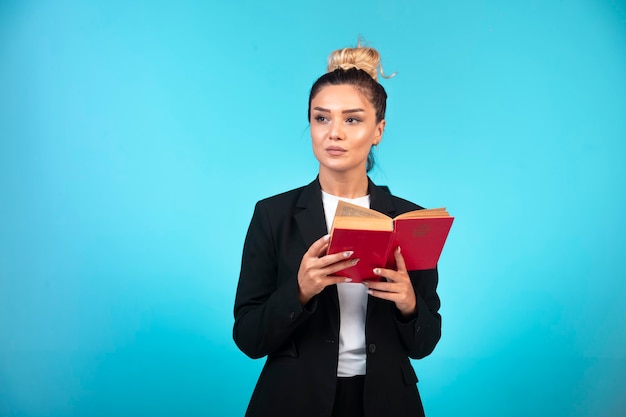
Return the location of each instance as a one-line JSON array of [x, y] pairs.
[[344, 184]]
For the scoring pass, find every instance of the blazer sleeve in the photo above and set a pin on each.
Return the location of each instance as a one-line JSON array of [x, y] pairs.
[[267, 310], [421, 332]]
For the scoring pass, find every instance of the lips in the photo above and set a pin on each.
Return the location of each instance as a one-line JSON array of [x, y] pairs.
[[335, 150]]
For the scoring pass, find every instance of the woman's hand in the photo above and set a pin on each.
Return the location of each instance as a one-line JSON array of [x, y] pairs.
[[398, 287], [317, 269]]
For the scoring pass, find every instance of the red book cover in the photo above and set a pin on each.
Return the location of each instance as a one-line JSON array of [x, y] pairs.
[[373, 237], [421, 241], [370, 246]]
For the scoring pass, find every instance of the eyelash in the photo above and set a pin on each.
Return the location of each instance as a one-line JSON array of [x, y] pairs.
[[350, 120]]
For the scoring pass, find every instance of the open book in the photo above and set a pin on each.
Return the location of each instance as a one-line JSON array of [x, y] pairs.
[[374, 237]]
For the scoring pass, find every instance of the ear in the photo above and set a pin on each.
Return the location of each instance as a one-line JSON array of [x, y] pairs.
[[378, 135]]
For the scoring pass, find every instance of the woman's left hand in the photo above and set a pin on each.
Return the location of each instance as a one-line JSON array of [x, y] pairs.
[[398, 287]]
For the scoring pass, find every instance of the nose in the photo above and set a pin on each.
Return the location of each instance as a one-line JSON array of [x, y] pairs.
[[336, 132]]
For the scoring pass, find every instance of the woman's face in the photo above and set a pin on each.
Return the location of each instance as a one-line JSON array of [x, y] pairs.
[[343, 129]]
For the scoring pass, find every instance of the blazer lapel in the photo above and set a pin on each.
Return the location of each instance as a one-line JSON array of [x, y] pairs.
[[310, 215], [311, 219], [380, 200]]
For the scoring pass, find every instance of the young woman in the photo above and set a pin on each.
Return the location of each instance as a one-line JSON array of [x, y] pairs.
[[334, 348]]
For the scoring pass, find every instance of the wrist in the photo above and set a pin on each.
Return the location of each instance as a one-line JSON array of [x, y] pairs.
[[408, 314], [302, 298]]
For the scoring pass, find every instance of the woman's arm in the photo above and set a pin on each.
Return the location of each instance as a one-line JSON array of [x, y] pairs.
[[268, 306], [421, 331], [266, 312], [417, 304]]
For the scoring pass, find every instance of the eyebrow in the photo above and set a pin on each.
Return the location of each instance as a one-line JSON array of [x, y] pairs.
[[348, 111]]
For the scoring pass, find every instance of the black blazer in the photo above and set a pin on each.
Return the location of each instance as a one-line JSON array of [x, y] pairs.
[[301, 343]]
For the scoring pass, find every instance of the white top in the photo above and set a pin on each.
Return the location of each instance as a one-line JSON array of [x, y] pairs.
[[352, 305]]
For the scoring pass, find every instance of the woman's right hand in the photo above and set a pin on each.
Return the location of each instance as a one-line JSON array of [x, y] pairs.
[[317, 269]]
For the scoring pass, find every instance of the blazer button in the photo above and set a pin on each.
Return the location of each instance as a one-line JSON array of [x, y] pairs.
[[292, 315], [372, 348]]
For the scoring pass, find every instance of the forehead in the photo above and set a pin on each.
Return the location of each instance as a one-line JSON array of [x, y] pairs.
[[339, 97]]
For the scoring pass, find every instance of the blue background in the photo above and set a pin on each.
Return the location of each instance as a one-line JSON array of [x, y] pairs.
[[135, 138]]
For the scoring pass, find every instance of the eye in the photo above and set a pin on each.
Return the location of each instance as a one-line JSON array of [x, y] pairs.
[[320, 119], [352, 120]]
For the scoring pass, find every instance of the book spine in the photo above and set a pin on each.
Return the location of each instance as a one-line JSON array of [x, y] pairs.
[[391, 246]]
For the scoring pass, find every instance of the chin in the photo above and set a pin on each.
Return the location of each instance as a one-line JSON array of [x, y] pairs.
[[341, 168]]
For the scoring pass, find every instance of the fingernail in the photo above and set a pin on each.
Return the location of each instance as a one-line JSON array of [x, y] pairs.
[[367, 284], [348, 254], [399, 249], [370, 292], [326, 238], [377, 271], [348, 280], [354, 261]]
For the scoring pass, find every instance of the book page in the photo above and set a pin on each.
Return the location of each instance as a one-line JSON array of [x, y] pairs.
[[416, 214], [362, 223], [345, 209]]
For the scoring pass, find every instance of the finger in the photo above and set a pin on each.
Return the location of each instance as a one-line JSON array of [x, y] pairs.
[[334, 267], [389, 274], [336, 279], [390, 296], [400, 264], [327, 260], [381, 286]]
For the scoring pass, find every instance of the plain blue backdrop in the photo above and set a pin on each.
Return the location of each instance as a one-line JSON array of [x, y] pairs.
[[135, 138]]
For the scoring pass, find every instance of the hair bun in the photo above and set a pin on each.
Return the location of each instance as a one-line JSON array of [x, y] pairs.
[[363, 58]]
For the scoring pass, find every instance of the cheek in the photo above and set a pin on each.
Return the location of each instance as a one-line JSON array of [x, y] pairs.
[[317, 134], [366, 139]]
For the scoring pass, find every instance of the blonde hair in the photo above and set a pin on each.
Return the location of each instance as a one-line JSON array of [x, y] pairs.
[[360, 57]]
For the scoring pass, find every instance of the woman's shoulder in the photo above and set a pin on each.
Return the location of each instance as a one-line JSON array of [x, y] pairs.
[[405, 205], [401, 205], [292, 197], [282, 198]]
